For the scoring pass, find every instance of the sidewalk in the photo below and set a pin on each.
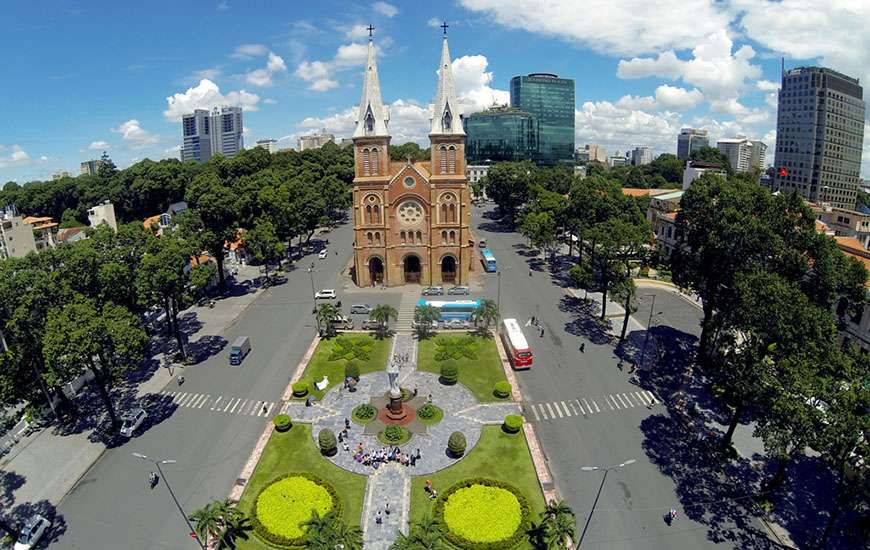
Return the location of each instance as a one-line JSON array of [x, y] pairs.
[[47, 465]]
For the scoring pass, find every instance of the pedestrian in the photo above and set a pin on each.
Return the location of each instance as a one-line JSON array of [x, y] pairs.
[[428, 482], [346, 446], [583, 350], [413, 460], [345, 433], [378, 519], [415, 391], [534, 320], [387, 508], [430, 398], [419, 456], [265, 409], [346, 423], [433, 494], [341, 436], [542, 331]]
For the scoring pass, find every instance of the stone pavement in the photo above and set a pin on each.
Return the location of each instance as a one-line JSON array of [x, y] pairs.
[[391, 485]]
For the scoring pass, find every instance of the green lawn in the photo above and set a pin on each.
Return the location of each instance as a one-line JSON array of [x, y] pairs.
[[479, 375], [496, 456], [294, 451], [320, 364]]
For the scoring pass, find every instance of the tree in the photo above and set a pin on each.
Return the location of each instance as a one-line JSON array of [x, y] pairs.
[[80, 337], [713, 156], [540, 229], [558, 522], [327, 532], [70, 219], [620, 243], [424, 317], [219, 523], [507, 184], [326, 314], [668, 166], [485, 315], [625, 291], [263, 244], [582, 277], [409, 150], [425, 534], [218, 211], [382, 313]]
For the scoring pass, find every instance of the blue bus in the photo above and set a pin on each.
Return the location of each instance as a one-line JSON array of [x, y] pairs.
[[489, 264], [458, 309]]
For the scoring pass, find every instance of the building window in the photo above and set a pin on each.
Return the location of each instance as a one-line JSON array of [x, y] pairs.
[[444, 237], [453, 237], [368, 218], [453, 213], [419, 237], [375, 162], [451, 160], [366, 163], [377, 238], [409, 182], [442, 151], [402, 236], [369, 237], [443, 213], [377, 213]]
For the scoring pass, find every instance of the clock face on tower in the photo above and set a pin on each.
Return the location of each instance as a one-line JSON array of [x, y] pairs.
[[410, 213]]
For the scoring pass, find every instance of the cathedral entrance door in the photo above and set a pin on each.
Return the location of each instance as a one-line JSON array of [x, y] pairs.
[[448, 269], [411, 263], [376, 271]]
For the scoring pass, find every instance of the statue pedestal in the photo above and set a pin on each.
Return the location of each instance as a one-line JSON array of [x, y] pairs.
[[395, 410]]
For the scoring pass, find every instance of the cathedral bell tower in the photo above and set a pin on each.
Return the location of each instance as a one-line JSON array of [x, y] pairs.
[[446, 132], [371, 138]]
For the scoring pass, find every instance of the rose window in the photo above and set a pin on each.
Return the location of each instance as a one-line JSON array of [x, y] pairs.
[[410, 213]]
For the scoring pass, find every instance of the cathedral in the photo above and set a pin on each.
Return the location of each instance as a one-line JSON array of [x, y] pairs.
[[411, 219]]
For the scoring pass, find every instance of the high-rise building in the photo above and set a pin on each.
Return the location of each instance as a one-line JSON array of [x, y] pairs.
[[739, 152], [819, 135], [103, 213], [16, 235], [90, 167], [206, 134], [590, 152], [759, 154], [270, 145], [500, 134], [315, 140], [641, 156], [691, 139], [550, 100]]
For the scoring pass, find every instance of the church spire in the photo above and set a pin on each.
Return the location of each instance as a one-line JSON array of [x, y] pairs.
[[446, 111], [373, 117]]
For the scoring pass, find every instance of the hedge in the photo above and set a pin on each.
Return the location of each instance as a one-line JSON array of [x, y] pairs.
[[326, 440], [462, 542], [300, 389], [449, 373], [282, 422], [456, 444], [513, 423], [351, 370], [502, 389], [283, 541]]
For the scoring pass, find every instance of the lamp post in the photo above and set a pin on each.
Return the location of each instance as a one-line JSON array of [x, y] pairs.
[[498, 298], [311, 271], [652, 308], [600, 487], [157, 463]]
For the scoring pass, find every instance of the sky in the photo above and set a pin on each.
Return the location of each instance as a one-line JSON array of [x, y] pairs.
[[83, 77]]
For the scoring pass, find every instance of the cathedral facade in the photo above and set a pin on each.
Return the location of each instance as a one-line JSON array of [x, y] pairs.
[[411, 219]]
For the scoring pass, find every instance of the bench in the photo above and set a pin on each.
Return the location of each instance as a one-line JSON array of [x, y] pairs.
[[322, 384]]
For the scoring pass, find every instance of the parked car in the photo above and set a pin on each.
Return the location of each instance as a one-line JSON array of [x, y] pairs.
[[482, 243], [131, 421], [364, 309], [34, 529], [457, 290], [325, 294], [342, 323], [323, 254], [279, 279], [456, 324], [433, 291], [434, 325], [370, 324]]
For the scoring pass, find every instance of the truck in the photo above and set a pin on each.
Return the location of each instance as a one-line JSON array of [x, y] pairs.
[[240, 348]]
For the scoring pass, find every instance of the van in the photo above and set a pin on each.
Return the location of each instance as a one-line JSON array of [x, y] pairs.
[[240, 348], [482, 243], [363, 309], [342, 323]]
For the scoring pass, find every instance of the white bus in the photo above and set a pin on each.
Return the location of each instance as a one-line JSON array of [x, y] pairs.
[[517, 348]]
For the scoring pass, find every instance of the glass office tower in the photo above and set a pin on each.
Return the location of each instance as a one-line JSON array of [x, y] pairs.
[[550, 100], [500, 134]]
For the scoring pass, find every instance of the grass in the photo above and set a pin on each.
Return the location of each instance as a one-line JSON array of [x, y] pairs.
[[406, 437], [498, 456], [354, 415], [321, 366], [432, 420], [294, 451], [479, 375]]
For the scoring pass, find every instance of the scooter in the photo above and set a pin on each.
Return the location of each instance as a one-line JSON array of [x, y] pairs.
[[153, 478]]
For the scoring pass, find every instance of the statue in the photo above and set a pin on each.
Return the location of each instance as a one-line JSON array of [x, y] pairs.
[[395, 406]]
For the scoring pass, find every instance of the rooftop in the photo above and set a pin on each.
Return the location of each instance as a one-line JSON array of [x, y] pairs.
[[643, 192]]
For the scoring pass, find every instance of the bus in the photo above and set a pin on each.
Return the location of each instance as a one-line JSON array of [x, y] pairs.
[[489, 264], [517, 348], [458, 309]]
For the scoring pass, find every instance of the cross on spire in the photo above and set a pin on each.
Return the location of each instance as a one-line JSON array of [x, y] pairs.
[[444, 26], [370, 29]]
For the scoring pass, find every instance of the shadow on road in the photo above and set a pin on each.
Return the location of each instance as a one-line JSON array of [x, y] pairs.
[[16, 515], [586, 323]]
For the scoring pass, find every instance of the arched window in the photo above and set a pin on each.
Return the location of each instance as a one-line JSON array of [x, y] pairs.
[[377, 213], [451, 160], [375, 161], [453, 237], [377, 238], [453, 213], [368, 218], [443, 213], [419, 237], [442, 151], [402, 236], [369, 237], [366, 163], [444, 237]]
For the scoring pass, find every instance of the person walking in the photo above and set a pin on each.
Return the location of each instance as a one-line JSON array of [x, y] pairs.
[[387, 508], [583, 350], [346, 423], [378, 518]]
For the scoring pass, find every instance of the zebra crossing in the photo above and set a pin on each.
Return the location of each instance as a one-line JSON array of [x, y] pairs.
[[588, 406], [221, 404]]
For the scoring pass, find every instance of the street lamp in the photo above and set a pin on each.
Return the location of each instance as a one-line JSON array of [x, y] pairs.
[[157, 463], [652, 308], [311, 271], [498, 298], [606, 470]]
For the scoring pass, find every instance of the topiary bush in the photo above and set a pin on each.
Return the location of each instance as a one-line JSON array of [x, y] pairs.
[[328, 443], [300, 389], [429, 414], [456, 444], [282, 505], [502, 389], [351, 370], [513, 423], [394, 433], [449, 373], [364, 413], [282, 422]]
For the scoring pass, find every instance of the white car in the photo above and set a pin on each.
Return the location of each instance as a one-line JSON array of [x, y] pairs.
[[457, 324], [132, 420], [325, 294], [32, 532], [323, 254]]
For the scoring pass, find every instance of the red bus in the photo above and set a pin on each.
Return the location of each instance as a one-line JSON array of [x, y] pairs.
[[517, 348]]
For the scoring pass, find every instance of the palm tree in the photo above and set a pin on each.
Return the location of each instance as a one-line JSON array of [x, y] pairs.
[[348, 537], [557, 521], [425, 534], [207, 521], [382, 313], [424, 316], [326, 313], [221, 523], [327, 532], [485, 315]]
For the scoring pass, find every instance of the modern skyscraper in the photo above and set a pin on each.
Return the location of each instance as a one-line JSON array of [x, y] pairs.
[[500, 134], [819, 135], [592, 151], [216, 133], [691, 139], [641, 156], [550, 100], [90, 167]]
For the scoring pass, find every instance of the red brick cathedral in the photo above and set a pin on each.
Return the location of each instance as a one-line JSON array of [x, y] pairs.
[[411, 219]]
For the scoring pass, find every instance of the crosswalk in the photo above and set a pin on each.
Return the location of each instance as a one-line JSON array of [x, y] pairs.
[[588, 406], [221, 404]]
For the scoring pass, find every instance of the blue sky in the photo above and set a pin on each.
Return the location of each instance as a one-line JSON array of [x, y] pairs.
[[83, 77]]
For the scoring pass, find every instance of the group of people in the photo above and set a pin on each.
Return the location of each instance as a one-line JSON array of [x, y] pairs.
[[383, 456]]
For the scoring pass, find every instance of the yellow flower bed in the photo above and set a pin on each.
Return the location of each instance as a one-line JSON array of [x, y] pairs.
[[482, 513], [285, 504]]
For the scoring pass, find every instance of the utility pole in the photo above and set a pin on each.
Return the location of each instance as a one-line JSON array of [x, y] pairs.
[[652, 308]]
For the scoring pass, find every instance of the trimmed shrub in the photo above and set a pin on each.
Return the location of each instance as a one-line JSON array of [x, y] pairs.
[[470, 515], [449, 373], [502, 389], [394, 433], [300, 389], [328, 443], [351, 370], [427, 411], [282, 422], [456, 444], [281, 505], [363, 414], [513, 423]]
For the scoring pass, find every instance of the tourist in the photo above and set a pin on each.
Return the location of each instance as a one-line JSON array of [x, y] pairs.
[[346, 423], [415, 391], [583, 350], [346, 447], [378, 519], [434, 494], [413, 460], [359, 447], [419, 456], [428, 485], [430, 398], [341, 437], [387, 508]]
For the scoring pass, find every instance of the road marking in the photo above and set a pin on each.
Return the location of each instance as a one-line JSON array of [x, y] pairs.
[[558, 410], [624, 403], [229, 403], [178, 397], [251, 412], [567, 411], [190, 399], [628, 398], [587, 406], [550, 410], [237, 405], [269, 409], [218, 400], [594, 403], [204, 401], [543, 410], [573, 408], [640, 397], [651, 396], [535, 411], [607, 400]]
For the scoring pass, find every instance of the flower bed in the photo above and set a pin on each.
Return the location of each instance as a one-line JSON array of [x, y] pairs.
[[394, 435], [429, 414], [363, 414], [483, 514], [286, 502]]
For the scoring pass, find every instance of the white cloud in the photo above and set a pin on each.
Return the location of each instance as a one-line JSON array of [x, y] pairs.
[[473, 84], [16, 157], [357, 32], [609, 27], [98, 145], [634, 102], [620, 127], [263, 77], [385, 9], [207, 95], [434, 22], [275, 64], [172, 152], [246, 51], [323, 84], [772, 99], [210, 74], [767, 85], [223, 6], [321, 76], [135, 135], [269, 101], [713, 68], [409, 121], [680, 99]]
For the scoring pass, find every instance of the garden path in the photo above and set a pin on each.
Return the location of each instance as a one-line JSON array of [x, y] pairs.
[[389, 484]]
